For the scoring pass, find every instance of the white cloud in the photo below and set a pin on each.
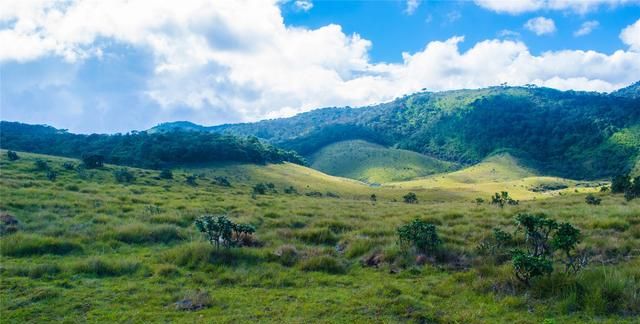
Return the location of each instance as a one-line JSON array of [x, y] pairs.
[[586, 28], [237, 58], [540, 25], [511, 6], [515, 7], [412, 6], [304, 5], [631, 35]]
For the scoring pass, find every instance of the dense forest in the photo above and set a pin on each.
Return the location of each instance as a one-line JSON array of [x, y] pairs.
[[566, 133], [141, 149]]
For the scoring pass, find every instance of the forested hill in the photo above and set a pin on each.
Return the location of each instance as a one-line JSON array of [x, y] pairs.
[[142, 149], [566, 133]]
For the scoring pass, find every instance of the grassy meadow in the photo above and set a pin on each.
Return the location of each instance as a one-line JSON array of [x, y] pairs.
[[90, 249]]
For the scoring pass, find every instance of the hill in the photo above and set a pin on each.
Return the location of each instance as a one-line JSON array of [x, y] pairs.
[[141, 149], [373, 163], [566, 133]]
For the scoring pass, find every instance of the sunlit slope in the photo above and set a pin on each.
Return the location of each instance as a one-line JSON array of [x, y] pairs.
[[372, 163], [501, 172]]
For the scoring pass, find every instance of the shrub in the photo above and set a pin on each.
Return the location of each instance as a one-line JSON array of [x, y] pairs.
[[12, 156], [313, 194], [101, 267], [373, 198], [527, 266], [123, 175], [41, 165], [221, 181], [191, 180], [166, 174], [92, 161], [68, 166], [496, 244], [620, 183], [479, 201], [566, 239], [323, 263], [52, 175], [138, 233], [410, 198], [290, 190], [633, 190], [421, 235], [219, 229], [264, 188], [26, 245], [332, 194], [502, 199], [592, 200]]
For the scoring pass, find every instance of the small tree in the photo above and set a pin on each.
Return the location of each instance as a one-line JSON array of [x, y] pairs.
[[12, 156], [537, 231], [633, 190], [92, 161], [620, 183], [68, 166], [527, 266], [592, 200], [41, 165], [373, 198], [221, 181], [191, 180], [420, 234], [479, 201], [166, 174], [410, 198], [52, 175], [566, 239], [220, 230], [502, 199], [123, 175]]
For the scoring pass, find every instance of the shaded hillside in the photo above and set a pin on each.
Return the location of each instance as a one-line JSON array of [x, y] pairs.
[[567, 133], [374, 163], [142, 149]]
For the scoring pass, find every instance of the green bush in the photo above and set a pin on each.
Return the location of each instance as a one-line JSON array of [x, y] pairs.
[[68, 166], [22, 245], [123, 175], [219, 229], [323, 263], [40, 165], [52, 175], [221, 181], [12, 156], [527, 266], [166, 174], [592, 200], [501, 199], [410, 198], [420, 234]]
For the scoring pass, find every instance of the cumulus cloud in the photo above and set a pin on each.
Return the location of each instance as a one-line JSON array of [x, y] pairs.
[[412, 6], [540, 25], [515, 7], [586, 28], [304, 5], [232, 61], [631, 35]]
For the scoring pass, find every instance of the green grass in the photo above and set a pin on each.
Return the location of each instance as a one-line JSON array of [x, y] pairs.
[[89, 249], [374, 163]]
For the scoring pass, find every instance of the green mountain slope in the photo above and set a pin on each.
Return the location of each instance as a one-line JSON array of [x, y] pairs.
[[373, 163], [566, 133]]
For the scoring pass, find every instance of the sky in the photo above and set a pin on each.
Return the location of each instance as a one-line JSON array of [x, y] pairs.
[[120, 65]]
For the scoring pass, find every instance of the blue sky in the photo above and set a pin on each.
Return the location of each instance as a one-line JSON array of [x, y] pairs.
[[114, 66]]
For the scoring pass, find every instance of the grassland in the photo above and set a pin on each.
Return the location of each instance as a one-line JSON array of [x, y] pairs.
[[373, 163], [89, 249]]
